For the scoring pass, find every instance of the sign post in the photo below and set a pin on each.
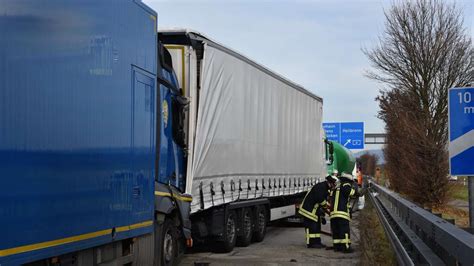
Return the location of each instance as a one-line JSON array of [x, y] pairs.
[[470, 187], [348, 134], [461, 139]]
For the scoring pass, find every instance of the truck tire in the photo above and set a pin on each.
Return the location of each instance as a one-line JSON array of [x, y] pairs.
[[230, 234], [260, 223], [246, 237], [167, 243]]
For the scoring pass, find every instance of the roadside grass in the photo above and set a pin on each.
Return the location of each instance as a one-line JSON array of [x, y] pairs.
[[458, 191], [375, 248], [461, 217]]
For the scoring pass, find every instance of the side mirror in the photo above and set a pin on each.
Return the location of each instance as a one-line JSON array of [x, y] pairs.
[[329, 147], [182, 100], [166, 60]]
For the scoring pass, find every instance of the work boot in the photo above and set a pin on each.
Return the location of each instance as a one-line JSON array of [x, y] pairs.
[[347, 250], [337, 248], [317, 245], [329, 248]]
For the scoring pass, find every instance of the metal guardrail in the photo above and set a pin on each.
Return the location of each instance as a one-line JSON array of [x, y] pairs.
[[403, 257], [418, 236]]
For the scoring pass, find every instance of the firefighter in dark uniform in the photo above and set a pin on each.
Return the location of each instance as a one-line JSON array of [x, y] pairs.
[[340, 212], [312, 209]]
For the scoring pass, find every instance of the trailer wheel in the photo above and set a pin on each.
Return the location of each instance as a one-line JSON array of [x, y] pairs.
[[246, 237], [260, 224], [246, 227], [167, 243], [230, 234]]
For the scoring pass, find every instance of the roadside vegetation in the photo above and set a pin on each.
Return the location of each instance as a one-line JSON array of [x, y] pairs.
[[424, 51], [458, 191], [368, 163], [458, 194], [374, 245], [461, 217]]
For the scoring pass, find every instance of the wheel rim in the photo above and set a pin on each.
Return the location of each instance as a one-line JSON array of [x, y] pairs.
[[168, 246], [247, 224], [261, 221], [231, 228]]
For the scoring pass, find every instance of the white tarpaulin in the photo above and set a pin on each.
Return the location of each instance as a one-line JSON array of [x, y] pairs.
[[256, 136]]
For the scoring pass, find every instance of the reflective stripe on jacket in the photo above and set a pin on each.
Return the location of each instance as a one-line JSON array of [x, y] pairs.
[[340, 201], [314, 199]]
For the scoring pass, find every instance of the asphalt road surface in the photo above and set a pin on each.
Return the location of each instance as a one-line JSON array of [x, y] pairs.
[[283, 245]]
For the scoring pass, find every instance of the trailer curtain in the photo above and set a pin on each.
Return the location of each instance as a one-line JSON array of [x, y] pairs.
[[256, 135]]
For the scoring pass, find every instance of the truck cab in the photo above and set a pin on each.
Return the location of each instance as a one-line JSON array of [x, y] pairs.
[[171, 138], [172, 204]]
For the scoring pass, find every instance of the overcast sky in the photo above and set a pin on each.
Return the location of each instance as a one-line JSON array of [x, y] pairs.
[[314, 43]]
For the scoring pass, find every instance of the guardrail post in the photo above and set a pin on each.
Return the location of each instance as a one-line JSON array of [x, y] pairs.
[[470, 190]]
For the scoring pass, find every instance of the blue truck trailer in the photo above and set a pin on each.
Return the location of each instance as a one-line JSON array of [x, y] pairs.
[[78, 83], [113, 146]]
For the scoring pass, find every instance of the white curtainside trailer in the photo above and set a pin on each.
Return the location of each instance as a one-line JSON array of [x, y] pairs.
[[254, 139]]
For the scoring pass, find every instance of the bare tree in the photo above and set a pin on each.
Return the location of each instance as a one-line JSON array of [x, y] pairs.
[[472, 70], [423, 52], [368, 163]]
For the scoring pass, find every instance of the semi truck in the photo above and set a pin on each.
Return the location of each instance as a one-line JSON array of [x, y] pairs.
[[119, 145], [252, 140]]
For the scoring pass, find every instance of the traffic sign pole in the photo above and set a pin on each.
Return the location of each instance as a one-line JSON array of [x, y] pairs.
[[470, 190]]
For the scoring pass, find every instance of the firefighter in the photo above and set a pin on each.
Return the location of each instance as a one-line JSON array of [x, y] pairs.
[[340, 212], [312, 209]]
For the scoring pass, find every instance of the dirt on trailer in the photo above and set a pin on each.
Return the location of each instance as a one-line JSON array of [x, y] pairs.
[[284, 244]]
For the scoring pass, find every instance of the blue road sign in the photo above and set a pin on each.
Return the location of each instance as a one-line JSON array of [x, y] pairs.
[[333, 131], [352, 135], [349, 134], [461, 131]]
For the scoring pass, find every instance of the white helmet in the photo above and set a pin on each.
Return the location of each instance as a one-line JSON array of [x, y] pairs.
[[348, 176], [332, 178]]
